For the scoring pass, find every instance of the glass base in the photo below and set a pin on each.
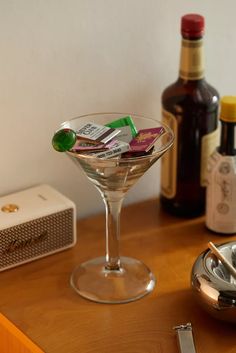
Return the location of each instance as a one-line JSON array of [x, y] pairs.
[[94, 282]]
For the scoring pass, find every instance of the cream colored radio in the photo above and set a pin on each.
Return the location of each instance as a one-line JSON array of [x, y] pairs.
[[35, 223]]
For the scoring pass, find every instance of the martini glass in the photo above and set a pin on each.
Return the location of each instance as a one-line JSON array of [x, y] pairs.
[[113, 278]]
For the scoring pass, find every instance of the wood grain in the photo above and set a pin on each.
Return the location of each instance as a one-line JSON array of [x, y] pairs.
[[38, 299], [12, 340]]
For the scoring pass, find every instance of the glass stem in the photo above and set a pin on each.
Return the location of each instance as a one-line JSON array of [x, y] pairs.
[[113, 208]]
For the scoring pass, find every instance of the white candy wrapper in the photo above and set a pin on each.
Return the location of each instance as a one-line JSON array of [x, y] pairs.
[[118, 148], [95, 132]]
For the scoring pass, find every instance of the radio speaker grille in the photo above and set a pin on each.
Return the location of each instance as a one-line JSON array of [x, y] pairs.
[[36, 238]]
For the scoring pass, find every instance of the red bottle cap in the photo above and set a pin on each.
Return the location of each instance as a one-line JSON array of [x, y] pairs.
[[192, 25]]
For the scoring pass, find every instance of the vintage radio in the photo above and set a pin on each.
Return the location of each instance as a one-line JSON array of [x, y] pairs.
[[35, 223]]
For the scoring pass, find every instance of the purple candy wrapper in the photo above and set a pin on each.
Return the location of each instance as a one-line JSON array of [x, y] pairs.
[[145, 139]]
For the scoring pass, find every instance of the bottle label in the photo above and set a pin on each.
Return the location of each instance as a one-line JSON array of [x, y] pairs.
[[169, 159], [221, 194], [208, 146], [191, 60]]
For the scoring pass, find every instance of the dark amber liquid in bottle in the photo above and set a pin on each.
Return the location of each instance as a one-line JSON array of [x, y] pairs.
[[227, 139], [194, 105]]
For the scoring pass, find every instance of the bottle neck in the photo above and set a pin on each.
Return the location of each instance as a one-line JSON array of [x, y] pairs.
[[228, 139], [192, 59]]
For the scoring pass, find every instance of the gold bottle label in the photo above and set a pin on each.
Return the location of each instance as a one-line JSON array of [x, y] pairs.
[[208, 146], [169, 160], [192, 60]]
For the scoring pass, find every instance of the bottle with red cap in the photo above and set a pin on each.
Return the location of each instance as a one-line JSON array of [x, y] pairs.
[[190, 107]]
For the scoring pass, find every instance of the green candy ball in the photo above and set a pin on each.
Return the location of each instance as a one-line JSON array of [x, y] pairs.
[[64, 140]]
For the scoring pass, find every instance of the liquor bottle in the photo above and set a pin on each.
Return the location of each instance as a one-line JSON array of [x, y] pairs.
[[221, 187], [190, 108]]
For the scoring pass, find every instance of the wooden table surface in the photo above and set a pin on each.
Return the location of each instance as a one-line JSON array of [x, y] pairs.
[[38, 299]]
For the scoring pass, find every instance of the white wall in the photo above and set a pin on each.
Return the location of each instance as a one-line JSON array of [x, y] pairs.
[[63, 58]]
